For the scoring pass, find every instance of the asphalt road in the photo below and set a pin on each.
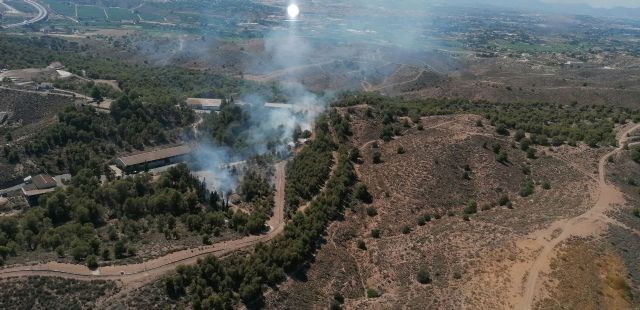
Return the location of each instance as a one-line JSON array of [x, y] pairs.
[[42, 14]]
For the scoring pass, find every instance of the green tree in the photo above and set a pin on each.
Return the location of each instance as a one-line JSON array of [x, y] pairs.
[[92, 262], [96, 94]]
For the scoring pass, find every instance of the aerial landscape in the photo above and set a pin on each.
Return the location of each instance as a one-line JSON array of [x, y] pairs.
[[316, 154]]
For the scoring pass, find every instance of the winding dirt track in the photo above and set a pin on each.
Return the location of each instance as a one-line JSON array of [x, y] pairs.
[[589, 223], [136, 275]]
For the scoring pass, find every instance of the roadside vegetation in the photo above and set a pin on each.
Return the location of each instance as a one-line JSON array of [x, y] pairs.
[[308, 170], [218, 284]]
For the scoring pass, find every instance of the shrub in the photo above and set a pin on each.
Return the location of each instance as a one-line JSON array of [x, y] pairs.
[[426, 218], [496, 148], [354, 155], [635, 155], [375, 233], [457, 275], [519, 135], [546, 185], [525, 144], [504, 200], [420, 127], [387, 133], [503, 157], [362, 245], [92, 262], [636, 212], [423, 277], [106, 254], [472, 207], [465, 218], [437, 216], [531, 153], [372, 293], [362, 193], [377, 157], [451, 213], [502, 130], [527, 188], [371, 211], [401, 150], [406, 229]]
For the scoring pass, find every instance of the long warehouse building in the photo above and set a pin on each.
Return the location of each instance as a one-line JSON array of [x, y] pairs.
[[153, 159]]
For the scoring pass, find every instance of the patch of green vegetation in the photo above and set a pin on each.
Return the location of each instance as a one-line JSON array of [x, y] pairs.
[[62, 7], [91, 13], [309, 170], [21, 6], [592, 124], [88, 219], [120, 14]]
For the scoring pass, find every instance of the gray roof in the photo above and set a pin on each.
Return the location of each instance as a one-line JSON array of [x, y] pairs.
[[154, 155], [204, 102], [43, 181]]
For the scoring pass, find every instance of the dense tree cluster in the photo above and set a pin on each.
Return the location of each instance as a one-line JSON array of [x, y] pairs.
[[309, 170], [83, 138], [215, 284], [548, 124], [88, 218], [228, 126], [157, 84]]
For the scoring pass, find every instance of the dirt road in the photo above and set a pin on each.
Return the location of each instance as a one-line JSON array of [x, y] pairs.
[[136, 275], [590, 223]]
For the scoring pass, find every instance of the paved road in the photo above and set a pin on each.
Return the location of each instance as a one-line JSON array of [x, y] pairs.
[[42, 14], [135, 275]]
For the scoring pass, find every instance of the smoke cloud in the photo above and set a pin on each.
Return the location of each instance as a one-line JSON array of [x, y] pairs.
[[272, 128]]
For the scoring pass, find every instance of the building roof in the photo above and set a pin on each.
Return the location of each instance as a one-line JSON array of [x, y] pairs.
[[29, 192], [204, 102], [154, 155], [276, 105], [43, 181]]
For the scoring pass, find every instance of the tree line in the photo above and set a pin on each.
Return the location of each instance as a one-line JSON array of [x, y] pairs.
[[547, 123], [218, 284]]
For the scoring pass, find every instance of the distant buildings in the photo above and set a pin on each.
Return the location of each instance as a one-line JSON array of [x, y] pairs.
[[153, 159]]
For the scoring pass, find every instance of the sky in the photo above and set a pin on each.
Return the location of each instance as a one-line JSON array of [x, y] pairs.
[[601, 3]]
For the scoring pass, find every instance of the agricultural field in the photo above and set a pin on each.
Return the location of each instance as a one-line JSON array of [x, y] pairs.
[[62, 7], [21, 6], [120, 14], [91, 13]]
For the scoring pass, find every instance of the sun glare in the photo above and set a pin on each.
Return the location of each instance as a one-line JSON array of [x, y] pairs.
[[293, 11]]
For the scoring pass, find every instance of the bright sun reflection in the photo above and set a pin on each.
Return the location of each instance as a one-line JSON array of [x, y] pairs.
[[293, 11]]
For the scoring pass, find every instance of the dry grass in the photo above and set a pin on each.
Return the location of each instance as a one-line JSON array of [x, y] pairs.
[[468, 260]]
